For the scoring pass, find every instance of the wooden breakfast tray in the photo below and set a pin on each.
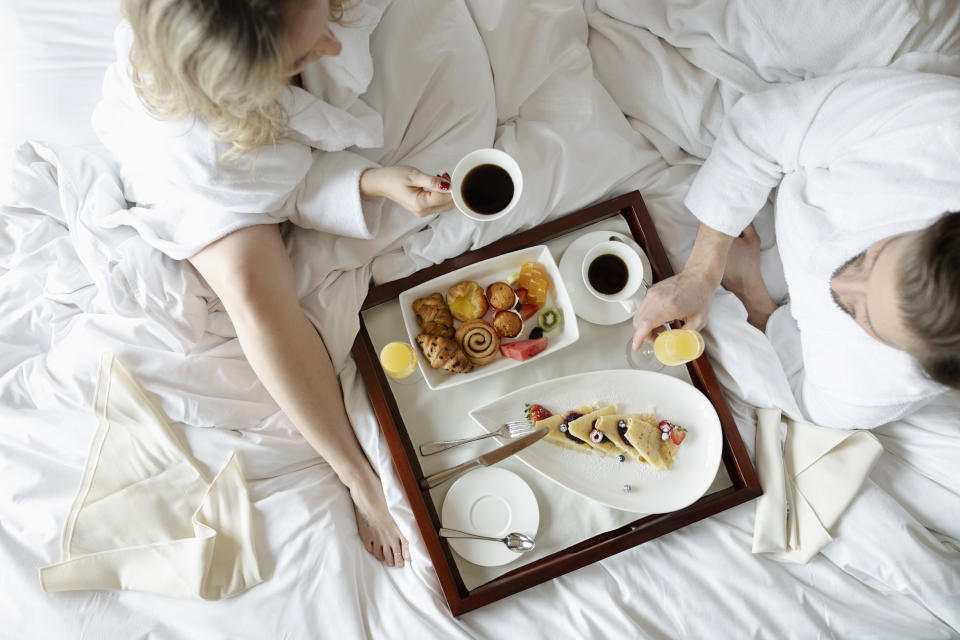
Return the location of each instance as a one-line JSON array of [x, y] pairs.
[[745, 485]]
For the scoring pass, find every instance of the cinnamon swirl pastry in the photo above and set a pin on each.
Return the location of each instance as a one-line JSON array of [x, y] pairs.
[[478, 340]]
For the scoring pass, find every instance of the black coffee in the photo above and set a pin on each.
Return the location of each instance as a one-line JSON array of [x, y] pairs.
[[608, 274], [487, 189]]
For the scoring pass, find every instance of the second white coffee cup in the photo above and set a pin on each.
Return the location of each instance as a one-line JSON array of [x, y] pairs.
[[613, 272]]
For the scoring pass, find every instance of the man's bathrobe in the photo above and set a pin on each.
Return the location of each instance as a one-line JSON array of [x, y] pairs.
[[854, 158]]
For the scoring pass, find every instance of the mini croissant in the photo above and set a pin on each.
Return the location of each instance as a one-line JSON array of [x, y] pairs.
[[434, 316], [444, 353]]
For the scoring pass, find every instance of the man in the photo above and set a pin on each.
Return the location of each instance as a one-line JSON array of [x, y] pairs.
[[865, 164]]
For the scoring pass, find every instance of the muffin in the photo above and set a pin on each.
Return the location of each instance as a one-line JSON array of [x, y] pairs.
[[508, 324], [501, 296], [466, 301]]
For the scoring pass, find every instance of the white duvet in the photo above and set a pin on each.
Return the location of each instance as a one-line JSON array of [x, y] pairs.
[[564, 74]]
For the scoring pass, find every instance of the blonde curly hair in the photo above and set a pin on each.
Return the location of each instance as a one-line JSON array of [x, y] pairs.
[[222, 61]]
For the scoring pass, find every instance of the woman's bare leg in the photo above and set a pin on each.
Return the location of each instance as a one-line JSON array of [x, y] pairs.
[[251, 272]]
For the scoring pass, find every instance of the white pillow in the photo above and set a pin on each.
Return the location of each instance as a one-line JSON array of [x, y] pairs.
[[53, 55]]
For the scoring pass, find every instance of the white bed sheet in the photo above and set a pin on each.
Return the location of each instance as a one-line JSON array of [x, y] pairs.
[[565, 74]]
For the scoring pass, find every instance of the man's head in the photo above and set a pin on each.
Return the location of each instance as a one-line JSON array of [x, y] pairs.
[[904, 291]]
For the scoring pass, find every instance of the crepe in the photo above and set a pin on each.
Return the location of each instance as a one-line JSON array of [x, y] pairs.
[[643, 433], [610, 427], [564, 439], [582, 426]]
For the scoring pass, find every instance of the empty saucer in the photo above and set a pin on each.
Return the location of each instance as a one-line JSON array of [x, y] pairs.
[[489, 502]]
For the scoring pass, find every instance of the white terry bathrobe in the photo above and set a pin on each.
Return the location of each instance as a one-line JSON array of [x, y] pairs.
[[858, 157], [186, 197]]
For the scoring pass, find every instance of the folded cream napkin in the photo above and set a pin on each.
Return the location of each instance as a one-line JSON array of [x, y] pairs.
[[145, 518], [807, 485]]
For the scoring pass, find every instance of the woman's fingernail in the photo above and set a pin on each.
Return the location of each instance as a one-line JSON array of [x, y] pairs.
[[444, 185]]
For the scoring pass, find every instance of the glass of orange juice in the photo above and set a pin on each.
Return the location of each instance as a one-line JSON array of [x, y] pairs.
[[671, 348], [399, 361]]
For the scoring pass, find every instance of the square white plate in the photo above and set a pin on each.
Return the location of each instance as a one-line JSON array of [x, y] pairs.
[[485, 273]]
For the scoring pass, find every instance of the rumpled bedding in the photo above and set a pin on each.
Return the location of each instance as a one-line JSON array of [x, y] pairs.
[[593, 98]]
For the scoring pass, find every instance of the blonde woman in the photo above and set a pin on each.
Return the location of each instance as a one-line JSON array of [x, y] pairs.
[[218, 141]]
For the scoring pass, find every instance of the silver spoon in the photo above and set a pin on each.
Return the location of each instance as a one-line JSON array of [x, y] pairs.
[[519, 542]]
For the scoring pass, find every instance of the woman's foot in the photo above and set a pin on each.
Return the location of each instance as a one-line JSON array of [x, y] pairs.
[[377, 529]]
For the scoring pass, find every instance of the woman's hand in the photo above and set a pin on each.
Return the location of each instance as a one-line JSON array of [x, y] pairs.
[[416, 191]]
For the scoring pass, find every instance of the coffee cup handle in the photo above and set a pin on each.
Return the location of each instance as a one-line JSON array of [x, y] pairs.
[[631, 304]]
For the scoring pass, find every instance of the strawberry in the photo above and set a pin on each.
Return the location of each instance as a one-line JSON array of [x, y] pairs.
[[677, 434], [536, 413], [521, 295], [527, 310]]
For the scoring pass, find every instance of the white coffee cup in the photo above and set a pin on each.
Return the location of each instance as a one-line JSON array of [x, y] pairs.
[[476, 159], [631, 294]]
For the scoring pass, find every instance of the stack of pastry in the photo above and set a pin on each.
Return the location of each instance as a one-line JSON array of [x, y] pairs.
[[437, 340], [636, 436]]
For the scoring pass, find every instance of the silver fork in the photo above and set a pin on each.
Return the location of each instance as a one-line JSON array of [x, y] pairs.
[[512, 429]]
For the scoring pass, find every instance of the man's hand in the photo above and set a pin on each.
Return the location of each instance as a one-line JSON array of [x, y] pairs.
[[416, 191], [688, 295]]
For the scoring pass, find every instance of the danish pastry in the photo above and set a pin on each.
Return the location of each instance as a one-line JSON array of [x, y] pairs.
[[501, 296], [466, 301], [443, 353], [478, 340], [433, 316]]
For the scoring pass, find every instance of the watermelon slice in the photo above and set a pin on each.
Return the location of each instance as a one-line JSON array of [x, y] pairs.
[[523, 349]]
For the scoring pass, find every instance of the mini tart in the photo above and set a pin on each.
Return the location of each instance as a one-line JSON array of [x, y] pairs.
[[644, 435], [466, 301], [581, 428], [508, 324], [564, 439], [501, 296], [479, 341]]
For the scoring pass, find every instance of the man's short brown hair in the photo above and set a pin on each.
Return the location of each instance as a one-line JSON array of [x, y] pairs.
[[930, 298]]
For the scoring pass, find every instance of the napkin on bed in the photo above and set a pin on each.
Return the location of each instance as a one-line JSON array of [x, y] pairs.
[[807, 485], [145, 518]]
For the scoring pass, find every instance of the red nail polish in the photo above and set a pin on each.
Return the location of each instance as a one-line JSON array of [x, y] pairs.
[[444, 185]]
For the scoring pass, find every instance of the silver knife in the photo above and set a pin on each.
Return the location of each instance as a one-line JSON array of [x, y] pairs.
[[485, 460]]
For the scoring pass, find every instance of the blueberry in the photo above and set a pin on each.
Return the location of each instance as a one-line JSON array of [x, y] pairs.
[[621, 458], [536, 333], [563, 428], [622, 424]]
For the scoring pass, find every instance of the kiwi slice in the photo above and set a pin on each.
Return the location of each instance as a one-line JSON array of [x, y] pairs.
[[550, 318]]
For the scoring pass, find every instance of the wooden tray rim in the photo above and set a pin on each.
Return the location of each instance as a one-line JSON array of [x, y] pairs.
[[745, 487]]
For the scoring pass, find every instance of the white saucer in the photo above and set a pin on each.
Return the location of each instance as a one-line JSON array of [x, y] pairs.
[[587, 305], [489, 502]]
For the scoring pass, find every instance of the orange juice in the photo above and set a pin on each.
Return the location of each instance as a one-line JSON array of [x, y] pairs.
[[678, 346], [398, 360], [534, 278]]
